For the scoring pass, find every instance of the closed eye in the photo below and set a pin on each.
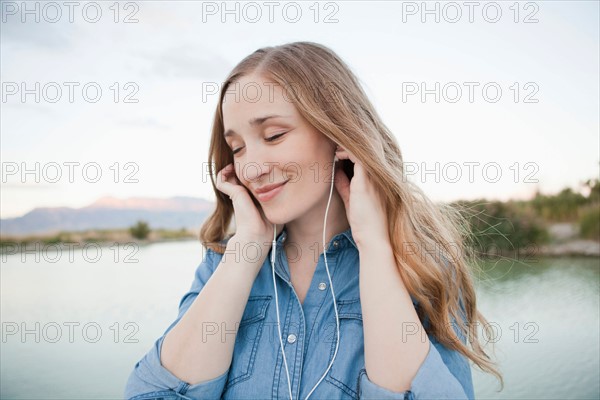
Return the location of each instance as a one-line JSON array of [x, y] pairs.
[[269, 139]]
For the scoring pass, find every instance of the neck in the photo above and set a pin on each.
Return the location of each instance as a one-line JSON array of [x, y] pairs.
[[306, 232]]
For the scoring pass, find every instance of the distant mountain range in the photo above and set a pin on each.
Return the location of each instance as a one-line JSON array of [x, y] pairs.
[[112, 213]]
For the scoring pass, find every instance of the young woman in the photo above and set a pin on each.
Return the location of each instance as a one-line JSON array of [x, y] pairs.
[[362, 292]]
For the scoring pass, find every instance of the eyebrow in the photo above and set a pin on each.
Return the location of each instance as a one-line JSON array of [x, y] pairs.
[[254, 122]]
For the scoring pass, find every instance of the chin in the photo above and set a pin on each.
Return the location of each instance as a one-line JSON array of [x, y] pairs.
[[278, 217], [282, 213]]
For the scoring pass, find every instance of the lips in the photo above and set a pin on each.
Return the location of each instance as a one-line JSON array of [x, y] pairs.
[[267, 192]]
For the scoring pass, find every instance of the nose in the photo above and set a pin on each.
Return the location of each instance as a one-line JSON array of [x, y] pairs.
[[258, 164]]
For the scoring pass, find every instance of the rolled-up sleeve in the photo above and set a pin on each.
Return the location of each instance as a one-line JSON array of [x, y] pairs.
[[151, 380], [444, 374]]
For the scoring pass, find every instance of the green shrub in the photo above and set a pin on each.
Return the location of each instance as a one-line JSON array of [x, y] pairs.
[[563, 206], [589, 222], [61, 237], [502, 226], [141, 230]]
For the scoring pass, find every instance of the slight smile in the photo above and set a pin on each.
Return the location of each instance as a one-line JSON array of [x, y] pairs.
[[268, 195]]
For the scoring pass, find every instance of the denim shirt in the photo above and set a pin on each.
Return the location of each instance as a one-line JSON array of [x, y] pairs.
[[309, 336]]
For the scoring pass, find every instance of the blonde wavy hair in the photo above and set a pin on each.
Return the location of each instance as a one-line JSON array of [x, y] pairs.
[[328, 95]]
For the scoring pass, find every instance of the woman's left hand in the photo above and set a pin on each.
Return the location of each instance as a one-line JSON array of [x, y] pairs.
[[364, 209]]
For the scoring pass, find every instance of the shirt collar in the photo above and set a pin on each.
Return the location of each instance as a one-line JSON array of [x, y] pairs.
[[343, 239]]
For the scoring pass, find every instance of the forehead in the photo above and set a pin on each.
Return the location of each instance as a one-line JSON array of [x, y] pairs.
[[252, 97]]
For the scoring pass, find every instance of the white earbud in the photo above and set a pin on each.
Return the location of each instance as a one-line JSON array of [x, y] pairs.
[[337, 320]]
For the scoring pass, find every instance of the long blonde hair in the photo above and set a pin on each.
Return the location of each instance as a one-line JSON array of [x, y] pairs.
[[328, 95]]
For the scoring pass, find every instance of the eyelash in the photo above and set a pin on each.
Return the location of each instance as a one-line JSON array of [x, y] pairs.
[[269, 139]]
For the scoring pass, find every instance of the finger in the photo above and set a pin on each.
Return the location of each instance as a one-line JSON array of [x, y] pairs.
[[224, 173], [224, 181], [346, 154], [359, 173], [342, 185], [221, 177]]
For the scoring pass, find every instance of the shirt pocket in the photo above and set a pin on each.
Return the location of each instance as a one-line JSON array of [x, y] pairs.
[[247, 339], [350, 355]]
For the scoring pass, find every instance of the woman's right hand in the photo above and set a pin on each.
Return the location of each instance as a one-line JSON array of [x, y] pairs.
[[251, 222]]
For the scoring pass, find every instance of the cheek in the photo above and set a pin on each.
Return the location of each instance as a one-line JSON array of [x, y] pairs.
[[313, 177]]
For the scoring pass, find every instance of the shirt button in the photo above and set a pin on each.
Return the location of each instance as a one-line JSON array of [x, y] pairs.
[[335, 244], [291, 338], [322, 286]]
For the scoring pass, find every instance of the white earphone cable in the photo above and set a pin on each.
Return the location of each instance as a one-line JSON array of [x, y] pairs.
[[330, 285]]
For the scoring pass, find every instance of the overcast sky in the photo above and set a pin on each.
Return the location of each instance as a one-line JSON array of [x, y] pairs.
[[541, 131]]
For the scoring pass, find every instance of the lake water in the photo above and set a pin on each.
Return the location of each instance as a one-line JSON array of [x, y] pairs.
[[75, 323]]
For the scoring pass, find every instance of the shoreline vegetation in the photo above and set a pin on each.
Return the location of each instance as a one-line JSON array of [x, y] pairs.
[[562, 224], [95, 237]]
